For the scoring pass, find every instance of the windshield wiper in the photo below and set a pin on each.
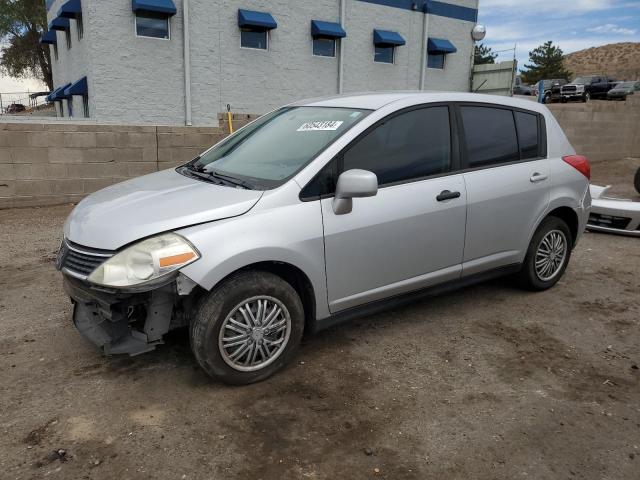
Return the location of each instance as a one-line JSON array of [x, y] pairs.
[[206, 176], [233, 180], [202, 172], [192, 166]]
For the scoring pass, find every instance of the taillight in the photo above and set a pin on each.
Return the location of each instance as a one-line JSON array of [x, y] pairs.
[[580, 163]]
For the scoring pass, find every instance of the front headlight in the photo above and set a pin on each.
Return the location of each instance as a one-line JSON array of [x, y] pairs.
[[580, 88], [146, 261]]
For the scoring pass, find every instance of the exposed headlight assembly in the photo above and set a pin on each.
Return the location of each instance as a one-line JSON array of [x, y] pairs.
[[147, 261]]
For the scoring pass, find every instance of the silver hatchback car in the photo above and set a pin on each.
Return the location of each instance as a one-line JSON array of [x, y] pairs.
[[320, 211]]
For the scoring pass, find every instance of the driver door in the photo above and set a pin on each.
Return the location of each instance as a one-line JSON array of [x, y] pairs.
[[411, 234]]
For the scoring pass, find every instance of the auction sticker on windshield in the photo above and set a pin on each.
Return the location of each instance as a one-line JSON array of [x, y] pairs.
[[323, 126]]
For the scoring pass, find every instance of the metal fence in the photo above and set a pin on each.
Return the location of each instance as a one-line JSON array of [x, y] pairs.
[[16, 103]]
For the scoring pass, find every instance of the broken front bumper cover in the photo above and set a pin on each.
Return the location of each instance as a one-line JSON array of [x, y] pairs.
[[124, 323], [613, 215]]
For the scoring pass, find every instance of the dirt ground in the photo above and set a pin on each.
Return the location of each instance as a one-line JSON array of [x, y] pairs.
[[486, 383]]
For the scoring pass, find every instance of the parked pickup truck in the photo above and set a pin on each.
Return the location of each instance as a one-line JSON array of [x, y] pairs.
[[552, 89], [587, 87]]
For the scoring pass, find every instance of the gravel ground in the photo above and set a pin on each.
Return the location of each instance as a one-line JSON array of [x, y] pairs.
[[489, 382]]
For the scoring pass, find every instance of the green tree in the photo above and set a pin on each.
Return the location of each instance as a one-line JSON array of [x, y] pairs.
[[483, 55], [546, 62], [22, 23]]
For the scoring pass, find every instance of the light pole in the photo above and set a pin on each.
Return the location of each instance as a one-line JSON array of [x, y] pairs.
[[477, 34]]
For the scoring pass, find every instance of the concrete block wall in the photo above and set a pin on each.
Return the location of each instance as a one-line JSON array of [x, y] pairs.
[[53, 163], [602, 130], [48, 164]]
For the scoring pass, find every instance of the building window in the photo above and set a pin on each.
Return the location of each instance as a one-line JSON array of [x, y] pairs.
[[324, 47], [152, 24], [55, 51], [67, 34], [436, 60], [80, 27], [250, 38], [384, 54], [85, 105], [70, 106]]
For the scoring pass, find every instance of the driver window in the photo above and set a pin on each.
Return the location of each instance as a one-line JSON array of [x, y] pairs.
[[408, 146]]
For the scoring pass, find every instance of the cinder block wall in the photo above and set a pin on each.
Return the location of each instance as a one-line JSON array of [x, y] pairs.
[[602, 130], [48, 164]]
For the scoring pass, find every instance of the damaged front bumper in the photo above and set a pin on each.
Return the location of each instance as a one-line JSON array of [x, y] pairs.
[[613, 215], [128, 323]]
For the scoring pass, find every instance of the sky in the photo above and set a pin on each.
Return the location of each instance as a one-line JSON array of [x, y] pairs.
[[571, 24]]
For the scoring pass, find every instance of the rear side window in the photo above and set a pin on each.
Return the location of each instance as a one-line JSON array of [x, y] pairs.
[[408, 146], [490, 135], [528, 135]]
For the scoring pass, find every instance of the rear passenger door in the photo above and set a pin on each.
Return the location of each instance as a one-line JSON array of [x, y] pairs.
[[507, 181]]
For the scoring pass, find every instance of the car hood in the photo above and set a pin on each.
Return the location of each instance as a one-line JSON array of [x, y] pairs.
[[155, 203]]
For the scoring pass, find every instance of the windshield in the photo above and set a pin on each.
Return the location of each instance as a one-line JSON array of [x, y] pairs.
[[273, 148], [583, 80]]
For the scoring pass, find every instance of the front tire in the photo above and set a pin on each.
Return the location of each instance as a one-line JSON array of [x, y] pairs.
[[547, 256], [248, 328]]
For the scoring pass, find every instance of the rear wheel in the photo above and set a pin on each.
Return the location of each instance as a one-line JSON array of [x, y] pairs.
[[546, 98], [547, 256], [248, 328]]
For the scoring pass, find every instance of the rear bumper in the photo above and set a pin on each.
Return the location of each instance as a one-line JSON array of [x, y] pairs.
[[123, 323]]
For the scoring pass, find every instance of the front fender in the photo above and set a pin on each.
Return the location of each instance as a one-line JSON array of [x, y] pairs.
[[290, 234]]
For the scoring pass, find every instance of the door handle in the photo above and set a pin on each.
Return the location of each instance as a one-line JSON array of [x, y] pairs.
[[537, 177], [447, 195]]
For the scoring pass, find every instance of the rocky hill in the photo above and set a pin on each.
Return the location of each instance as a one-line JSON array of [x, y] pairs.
[[619, 60]]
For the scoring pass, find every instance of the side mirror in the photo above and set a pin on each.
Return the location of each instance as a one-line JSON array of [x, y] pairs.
[[353, 184]]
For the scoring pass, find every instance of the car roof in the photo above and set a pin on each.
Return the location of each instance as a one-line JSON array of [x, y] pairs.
[[377, 100]]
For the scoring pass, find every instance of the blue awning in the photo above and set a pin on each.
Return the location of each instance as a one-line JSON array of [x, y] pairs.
[[59, 23], [70, 9], [49, 37], [58, 93], [384, 37], [256, 20], [440, 45], [49, 98], [78, 88], [156, 6], [327, 29]]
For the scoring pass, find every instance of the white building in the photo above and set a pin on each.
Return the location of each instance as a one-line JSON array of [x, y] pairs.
[[177, 62]]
